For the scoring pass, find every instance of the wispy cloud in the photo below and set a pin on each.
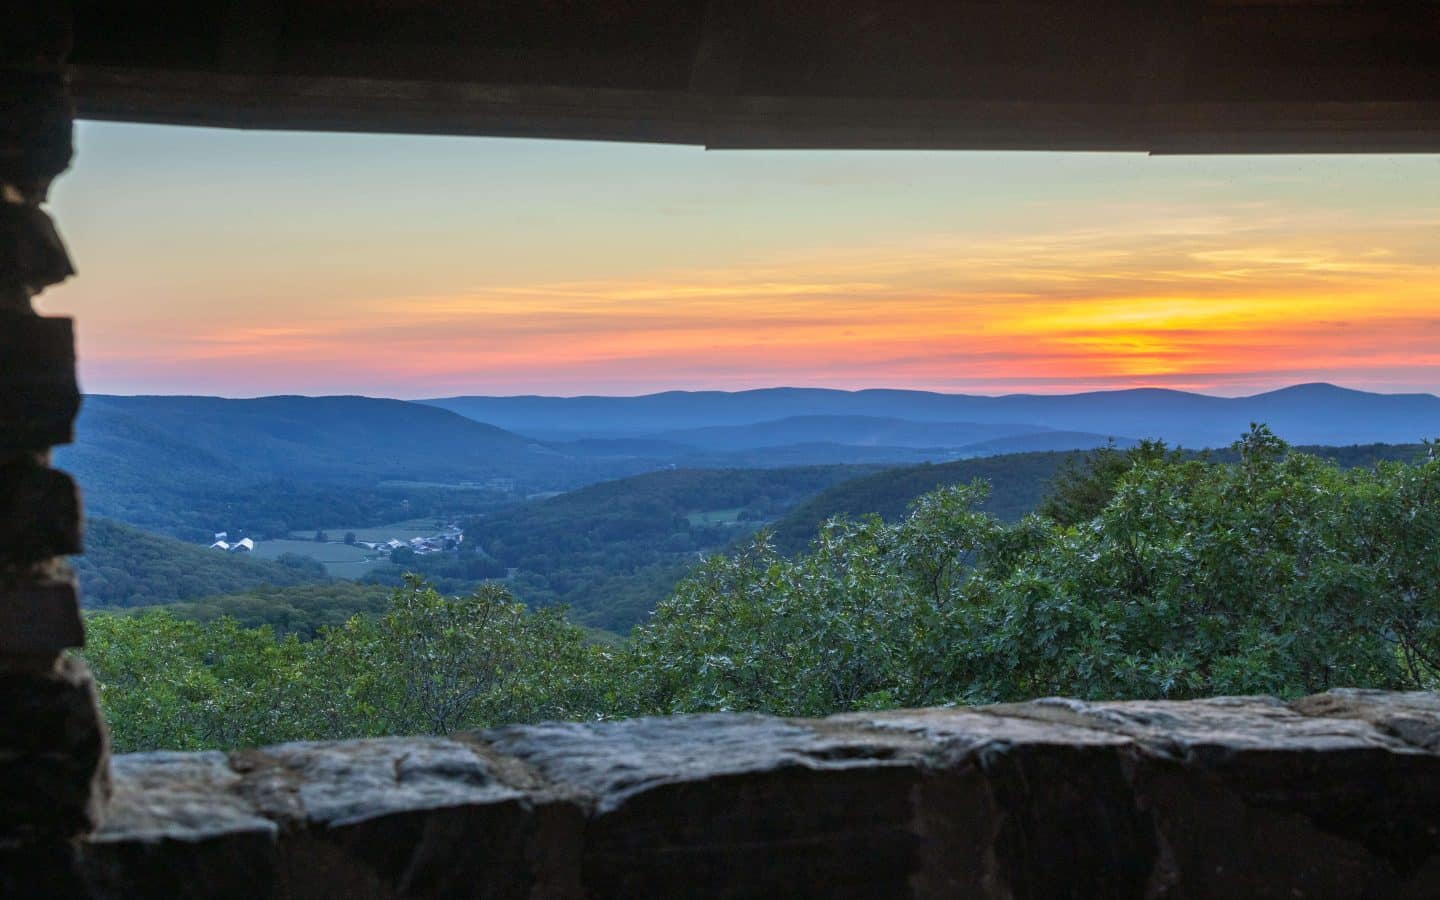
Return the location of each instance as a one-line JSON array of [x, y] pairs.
[[1226, 299]]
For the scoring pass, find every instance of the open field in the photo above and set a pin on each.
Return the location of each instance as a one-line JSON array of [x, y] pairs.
[[340, 561], [404, 531], [715, 517]]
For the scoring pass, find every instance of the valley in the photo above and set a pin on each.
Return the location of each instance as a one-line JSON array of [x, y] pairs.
[[597, 504]]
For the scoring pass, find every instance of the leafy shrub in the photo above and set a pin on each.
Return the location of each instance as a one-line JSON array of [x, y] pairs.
[[1280, 573]]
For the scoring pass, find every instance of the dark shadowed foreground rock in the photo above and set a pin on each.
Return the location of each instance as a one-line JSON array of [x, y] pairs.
[[53, 748], [1331, 796]]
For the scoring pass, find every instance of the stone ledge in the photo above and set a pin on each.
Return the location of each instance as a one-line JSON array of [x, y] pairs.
[[1336, 795]]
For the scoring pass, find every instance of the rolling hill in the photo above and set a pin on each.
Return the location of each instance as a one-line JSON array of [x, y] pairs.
[[304, 438], [861, 431], [125, 566], [188, 465], [1018, 483], [612, 550]]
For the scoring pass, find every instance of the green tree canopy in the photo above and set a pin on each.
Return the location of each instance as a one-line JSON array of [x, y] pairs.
[[1277, 572]]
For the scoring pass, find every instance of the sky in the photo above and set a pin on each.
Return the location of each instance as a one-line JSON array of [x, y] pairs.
[[241, 263]]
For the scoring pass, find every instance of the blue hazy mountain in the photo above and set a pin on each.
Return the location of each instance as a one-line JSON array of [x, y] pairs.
[[824, 440], [177, 465], [188, 466], [310, 438], [1304, 414]]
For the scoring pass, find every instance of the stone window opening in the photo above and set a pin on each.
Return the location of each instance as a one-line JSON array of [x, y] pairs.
[[1336, 795]]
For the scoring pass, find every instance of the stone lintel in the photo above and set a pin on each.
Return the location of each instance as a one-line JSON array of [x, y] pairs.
[[1222, 798], [36, 133]]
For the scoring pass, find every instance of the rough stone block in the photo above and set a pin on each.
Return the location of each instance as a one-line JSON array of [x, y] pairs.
[[15, 300], [1314, 805], [1413, 717], [31, 252], [40, 618], [37, 132], [178, 828], [707, 806], [393, 818], [53, 754], [39, 397], [42, 870], [39, 514], [1014, 808]]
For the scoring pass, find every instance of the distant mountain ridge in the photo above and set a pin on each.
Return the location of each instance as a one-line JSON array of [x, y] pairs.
[[186, 466], [181, 464], [1306, 413], [861, 431], [320, 438]]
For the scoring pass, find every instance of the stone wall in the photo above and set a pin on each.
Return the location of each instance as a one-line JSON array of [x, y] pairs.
[[1336, 795], [52, 741]]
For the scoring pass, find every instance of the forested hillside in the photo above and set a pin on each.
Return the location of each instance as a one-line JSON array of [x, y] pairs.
[[612, 550], [302, 610], [125, 566], [868, 431], [303, 438], [189, 466], [1016, 485], [1017, 482], [193, 511]]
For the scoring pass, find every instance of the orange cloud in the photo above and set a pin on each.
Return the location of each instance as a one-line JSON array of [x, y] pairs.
[[1249, 296]]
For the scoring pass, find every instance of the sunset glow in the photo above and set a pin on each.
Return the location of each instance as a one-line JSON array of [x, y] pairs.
[[265, 263]]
